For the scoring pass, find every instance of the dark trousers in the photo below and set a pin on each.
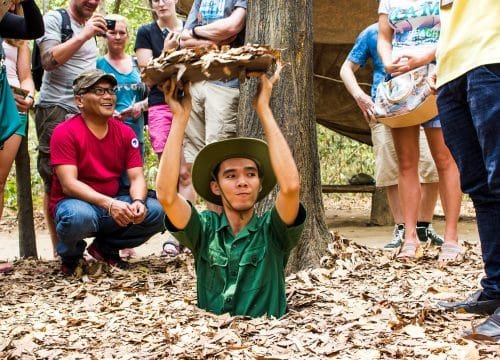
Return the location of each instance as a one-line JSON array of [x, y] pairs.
[[469, 108]]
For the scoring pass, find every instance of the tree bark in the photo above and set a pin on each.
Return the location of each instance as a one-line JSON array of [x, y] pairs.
[[381, 212], [287, 25], [26, 225], [116, 7]]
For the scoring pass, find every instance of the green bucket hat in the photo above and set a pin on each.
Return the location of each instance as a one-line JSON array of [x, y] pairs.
[[242, 147], [89, 78]]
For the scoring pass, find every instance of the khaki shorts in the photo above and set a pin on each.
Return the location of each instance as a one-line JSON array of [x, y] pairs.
[[46, 120], [213, 116], [386, 161]]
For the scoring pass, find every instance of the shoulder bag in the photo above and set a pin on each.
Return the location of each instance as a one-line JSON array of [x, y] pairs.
[[406, 100]]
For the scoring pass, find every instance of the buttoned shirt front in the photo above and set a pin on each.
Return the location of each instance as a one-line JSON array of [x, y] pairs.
[[242, 274]]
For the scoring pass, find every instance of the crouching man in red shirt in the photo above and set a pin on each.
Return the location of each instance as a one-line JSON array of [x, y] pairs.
[[89, 153]]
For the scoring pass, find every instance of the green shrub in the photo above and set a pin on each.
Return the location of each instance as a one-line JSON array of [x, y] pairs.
[[341, 157]]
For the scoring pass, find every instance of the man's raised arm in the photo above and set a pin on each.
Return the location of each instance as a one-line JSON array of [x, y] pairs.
[[54, 53], [285, 169], [175, 206]]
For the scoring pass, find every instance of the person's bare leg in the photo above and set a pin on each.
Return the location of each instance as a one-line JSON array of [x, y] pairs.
[[7, 156], [428, 201], [449, 183], [398, 233], [393, 200], [406, 142], [425, 231], [51, 226]]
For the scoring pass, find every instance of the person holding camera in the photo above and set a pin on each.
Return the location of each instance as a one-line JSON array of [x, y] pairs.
[[85, 199], [131, 91], [63, 61]]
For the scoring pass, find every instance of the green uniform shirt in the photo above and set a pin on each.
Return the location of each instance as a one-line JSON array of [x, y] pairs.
[[243, 274]]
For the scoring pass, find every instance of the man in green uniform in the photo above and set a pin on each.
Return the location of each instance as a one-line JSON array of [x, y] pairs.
[[240, 257]]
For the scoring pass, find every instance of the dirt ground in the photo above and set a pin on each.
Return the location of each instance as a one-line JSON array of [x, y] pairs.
[[347, 214], [359, 304]]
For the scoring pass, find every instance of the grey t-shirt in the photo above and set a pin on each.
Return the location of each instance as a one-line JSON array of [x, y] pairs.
[[57, 84], [207, 11]]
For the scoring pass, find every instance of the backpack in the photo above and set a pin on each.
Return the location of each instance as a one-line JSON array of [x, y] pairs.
[[36, 60]]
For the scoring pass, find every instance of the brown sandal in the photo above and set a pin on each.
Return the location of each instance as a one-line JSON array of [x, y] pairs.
[[6, 268], [451, 254], [410, 251]]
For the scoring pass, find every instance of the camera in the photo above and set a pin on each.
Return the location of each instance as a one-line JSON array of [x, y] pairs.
[[110, 24]]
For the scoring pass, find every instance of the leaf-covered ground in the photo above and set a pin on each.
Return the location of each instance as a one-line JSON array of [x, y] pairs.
[[359, 305]]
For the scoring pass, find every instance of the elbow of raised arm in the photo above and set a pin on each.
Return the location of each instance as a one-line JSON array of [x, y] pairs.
[[165, 197], [291, 187], [234, 27], [48, 62]]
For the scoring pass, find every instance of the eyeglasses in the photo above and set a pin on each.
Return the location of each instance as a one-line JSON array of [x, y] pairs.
[[99, 91]]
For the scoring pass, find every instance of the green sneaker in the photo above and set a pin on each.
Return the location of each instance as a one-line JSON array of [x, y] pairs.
[[433, 235], [422, 234], [426, 233], [398, 236]]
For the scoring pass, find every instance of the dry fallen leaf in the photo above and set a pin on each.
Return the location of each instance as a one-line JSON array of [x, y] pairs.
[[358, 305], [414, 331]]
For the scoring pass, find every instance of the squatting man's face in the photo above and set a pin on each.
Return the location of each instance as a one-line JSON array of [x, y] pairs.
[[99, 100]]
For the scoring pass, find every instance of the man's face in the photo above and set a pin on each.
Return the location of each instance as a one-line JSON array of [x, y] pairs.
[[239, 181], [97, 101], [85, 8]]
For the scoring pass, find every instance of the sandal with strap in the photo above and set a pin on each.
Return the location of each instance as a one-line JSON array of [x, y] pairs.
[[170, 248], [127, 253], [451, 254], [410, 251], [6, 268]]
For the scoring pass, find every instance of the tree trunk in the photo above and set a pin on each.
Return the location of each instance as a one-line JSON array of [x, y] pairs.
[[26, 226], [287, 25], [116, 7], [381, 212]]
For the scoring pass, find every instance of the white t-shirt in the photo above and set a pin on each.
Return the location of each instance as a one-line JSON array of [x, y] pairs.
[[11, 63], [416, 23], [57, 85]]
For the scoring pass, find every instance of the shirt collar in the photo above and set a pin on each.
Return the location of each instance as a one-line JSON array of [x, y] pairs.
[[252, 226]]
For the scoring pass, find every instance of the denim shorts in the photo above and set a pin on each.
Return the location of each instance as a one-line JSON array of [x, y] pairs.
[[432, 123]]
